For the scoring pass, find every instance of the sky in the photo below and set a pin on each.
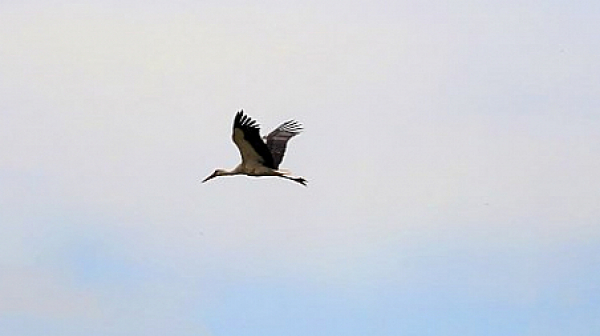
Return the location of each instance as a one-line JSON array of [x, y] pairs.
[[451, 149]]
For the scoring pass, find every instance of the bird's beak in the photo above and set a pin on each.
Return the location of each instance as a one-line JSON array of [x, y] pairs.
[[211, 176]]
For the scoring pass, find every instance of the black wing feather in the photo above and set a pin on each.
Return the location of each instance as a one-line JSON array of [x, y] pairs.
[[251, 130], [277, 140]]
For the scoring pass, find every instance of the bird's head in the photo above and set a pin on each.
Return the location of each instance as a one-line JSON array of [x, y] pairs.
[[217, 172]]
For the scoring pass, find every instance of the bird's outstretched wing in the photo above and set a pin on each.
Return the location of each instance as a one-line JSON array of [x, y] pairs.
[[246, 136], [277, 140]]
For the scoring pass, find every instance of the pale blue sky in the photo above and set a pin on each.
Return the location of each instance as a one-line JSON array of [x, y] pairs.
[[451, 149]]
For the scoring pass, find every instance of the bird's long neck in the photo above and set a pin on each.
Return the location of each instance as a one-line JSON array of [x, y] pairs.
[[235, 171]]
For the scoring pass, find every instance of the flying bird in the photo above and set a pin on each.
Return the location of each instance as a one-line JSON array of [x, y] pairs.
[[260, 156]]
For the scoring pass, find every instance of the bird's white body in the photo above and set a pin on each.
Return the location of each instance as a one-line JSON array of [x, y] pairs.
[[260, 158], [254, 169]]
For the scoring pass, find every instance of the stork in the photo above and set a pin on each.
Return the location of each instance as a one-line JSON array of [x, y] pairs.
[[260, 156]]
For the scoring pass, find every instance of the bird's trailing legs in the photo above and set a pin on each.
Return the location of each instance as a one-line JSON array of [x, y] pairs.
[[298, 179]]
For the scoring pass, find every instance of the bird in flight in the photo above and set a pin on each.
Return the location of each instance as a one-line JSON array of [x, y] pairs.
[[260, 156]]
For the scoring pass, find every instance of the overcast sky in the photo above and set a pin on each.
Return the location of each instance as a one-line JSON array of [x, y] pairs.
[[451, 147]]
